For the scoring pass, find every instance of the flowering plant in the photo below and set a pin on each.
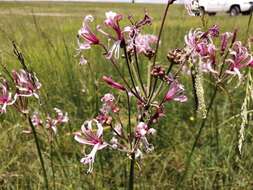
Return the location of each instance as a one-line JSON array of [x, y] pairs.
[[140, 89], [146, 100]]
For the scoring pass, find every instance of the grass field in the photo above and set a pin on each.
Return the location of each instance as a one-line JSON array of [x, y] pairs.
[[46, 34]]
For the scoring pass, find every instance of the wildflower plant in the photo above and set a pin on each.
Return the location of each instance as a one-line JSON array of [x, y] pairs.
[[138, 92], [145, 94], [17, 89]]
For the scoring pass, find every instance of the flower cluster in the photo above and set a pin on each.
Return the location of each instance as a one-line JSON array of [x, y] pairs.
[[16, 92], [50, 123], [223, 59], [128, 37], [127, 135], [25, 85]]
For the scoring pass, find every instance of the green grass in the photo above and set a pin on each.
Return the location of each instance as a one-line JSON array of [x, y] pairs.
[[49, 43]]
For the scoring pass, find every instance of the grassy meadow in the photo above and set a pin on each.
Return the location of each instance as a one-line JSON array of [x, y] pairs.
[[46, 34]]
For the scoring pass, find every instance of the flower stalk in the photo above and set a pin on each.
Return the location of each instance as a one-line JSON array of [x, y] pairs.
[[131, 173], [39, 151]]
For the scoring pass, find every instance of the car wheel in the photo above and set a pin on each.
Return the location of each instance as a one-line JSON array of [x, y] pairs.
[[234, 11]]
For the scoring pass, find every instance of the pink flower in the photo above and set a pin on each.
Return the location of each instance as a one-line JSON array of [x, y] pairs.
[[192, 39], [89, 137], [112, 20], [142, 43], [36, 120], [142, 130], [200, 47], [224, 40], [213, 31], [108, 104], [108, 107], [87, 35], [176, 93], [240, 58], [51, 124], [27, 84], [60, 118], [5, 96], [108, 98], [113, 84]]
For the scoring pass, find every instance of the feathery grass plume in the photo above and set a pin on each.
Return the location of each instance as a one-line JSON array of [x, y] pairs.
[[244, 110], [199, 89]]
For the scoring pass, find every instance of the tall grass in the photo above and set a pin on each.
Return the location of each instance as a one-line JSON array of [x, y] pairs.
[[49, 43]]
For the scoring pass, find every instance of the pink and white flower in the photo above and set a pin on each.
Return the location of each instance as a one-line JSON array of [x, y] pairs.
[[224, 40], [200, 47], [27, 84], [143, 44], [85, 33], [175, 93], [5, 96], [88, 136], [60, 118], [108, 104], [142, 130], [36, 120], [108, 107], [112, 20], [239, 58]]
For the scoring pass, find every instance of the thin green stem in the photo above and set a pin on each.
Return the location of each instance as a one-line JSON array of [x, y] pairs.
[[131, 173], [129, 120], [138, 70], [158, 42], [52, 163], [39, 151], [129, 69]]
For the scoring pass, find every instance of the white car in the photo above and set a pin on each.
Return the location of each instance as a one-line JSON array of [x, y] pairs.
[[233, 7]]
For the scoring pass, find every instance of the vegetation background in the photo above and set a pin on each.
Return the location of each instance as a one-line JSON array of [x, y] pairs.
[[46, 34]]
